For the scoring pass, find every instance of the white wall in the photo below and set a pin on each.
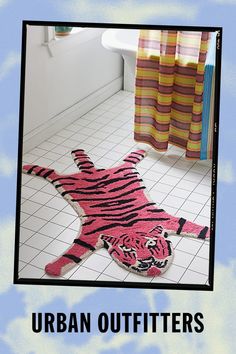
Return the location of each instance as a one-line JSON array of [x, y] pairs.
[[54, 84]]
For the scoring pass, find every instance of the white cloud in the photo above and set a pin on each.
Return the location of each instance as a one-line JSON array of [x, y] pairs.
[[226, 172], [217, 308], [229, 76], [6, 253], [3, 2], [130, 11], [225, 2], [11, 60], [7, 165], [217, 338]]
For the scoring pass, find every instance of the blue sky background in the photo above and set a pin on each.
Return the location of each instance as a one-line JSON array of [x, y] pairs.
[[18, 302]]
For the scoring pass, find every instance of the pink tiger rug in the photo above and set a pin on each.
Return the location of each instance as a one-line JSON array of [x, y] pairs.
[[116, 213]]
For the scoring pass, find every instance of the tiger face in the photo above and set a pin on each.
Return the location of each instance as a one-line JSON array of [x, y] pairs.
[[142, 253]]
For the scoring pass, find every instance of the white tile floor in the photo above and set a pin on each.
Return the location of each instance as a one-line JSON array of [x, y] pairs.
[[49, 224]]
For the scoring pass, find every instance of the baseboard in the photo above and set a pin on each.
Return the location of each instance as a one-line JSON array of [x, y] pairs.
[[61, 120]]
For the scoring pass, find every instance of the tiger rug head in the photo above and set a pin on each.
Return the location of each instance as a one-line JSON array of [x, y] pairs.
[[143, 253]]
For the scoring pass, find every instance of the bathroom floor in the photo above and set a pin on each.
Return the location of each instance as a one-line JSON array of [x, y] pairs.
[[49, 225]]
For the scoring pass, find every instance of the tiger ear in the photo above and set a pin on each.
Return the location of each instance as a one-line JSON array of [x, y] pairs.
[[158, 231], [107, 240]]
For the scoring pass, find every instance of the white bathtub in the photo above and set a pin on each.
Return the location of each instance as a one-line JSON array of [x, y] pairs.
[[124, 42]]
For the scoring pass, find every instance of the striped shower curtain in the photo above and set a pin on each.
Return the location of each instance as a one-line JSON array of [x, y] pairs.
[[169, 89]]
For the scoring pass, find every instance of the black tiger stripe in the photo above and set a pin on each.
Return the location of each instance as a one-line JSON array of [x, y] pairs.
[[113, 203], [125, 212], [102, 184], [72, 257], [75, 191], [169, 248], [84, 244], [126, 218], [114, 251], [88, 222], [131, 223], [64, 184], [181, 221], [128, 206], [125, 185], [110, 198], [131, 174], [123, 169], [156, 210], [88, 172], [74, 151], [105, 245], [119, 208], [84, 163], [40, 171], [69, 178], [137, 153], [47, 174], [32, 168], [95, 179], [133, 157], [203, 233], [128, 160], [85, 167], [79, 157]]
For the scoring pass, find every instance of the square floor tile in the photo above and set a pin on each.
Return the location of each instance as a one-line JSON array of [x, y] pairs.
[[161, 187], [182, 259], [186, 215], [174, 272], [42, 259], [170, 180], [52, 230], [203, 189], [132, 277], [104, 277], [177, 192], [153, 176], [27, 253], [187, 185], [38, 241], [37, 183], [200, 265], [173, 201], [199, 198], [56, 247], [157, 196], [41, 197], [21, 265], [188, 245], [68, 236], [23, 217], [191, 207], [30, 271], [204, 251], [96, 262], [57, 203], [27, 192], [84, 273], [191, 277], [25, 234], [30, 207], [206, 211], [33, 223], [114, 270], [45, 213], [63, 219]]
